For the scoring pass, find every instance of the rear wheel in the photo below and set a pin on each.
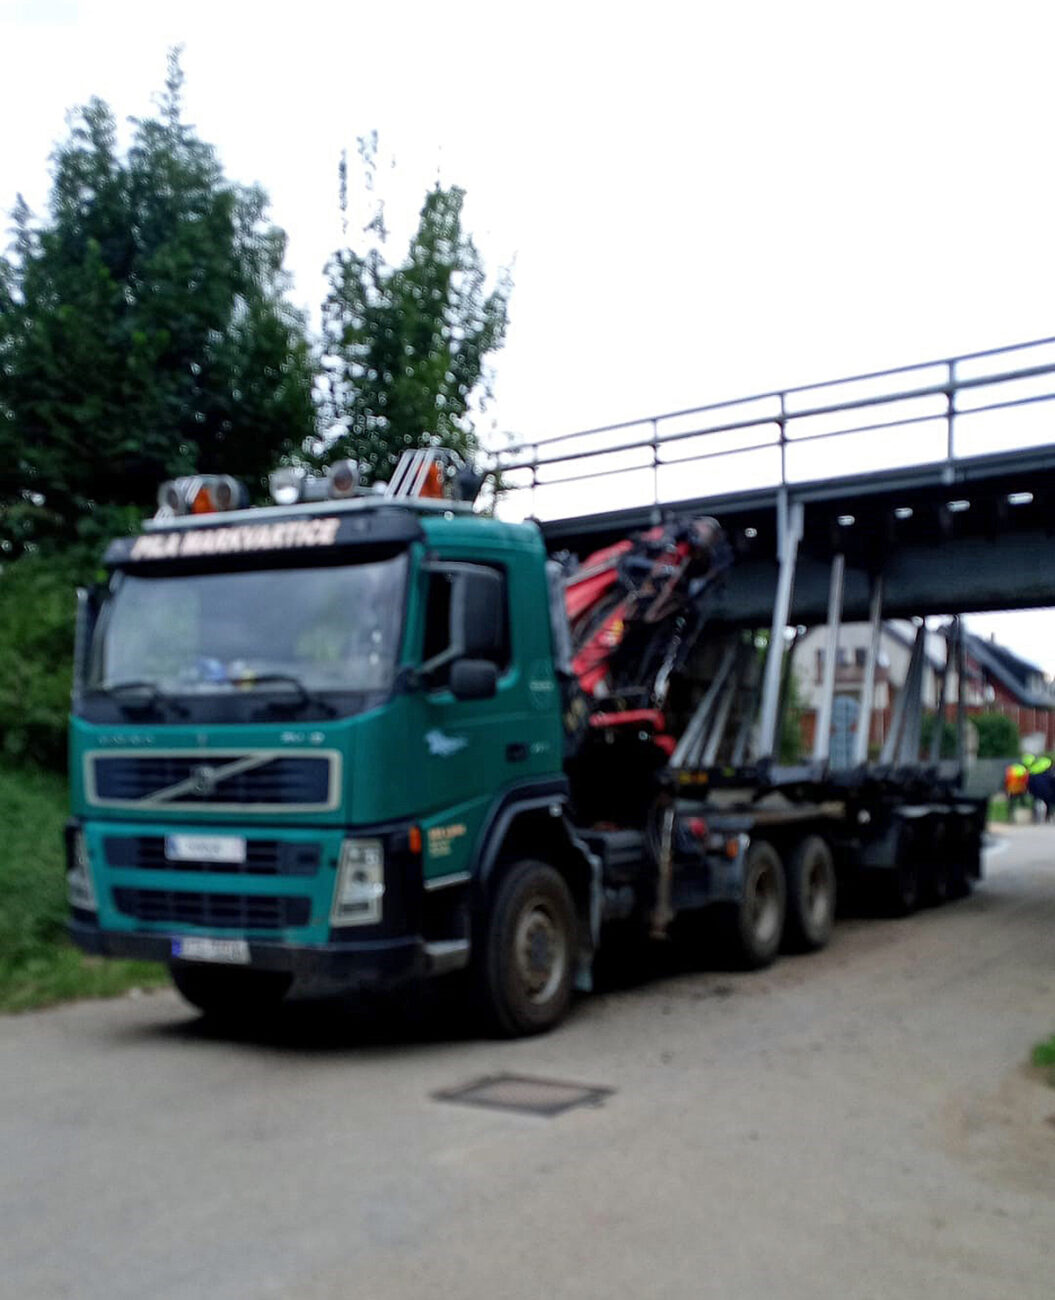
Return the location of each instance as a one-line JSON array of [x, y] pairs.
[[901, 888], [525, 975], [904, 888], [939, 872], [964, 851], [228, 993], [759, 918], [811, 895]]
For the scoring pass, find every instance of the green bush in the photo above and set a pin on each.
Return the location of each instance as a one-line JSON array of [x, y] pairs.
[[997, 736], [948, 737], [38, 965], [37, 613]]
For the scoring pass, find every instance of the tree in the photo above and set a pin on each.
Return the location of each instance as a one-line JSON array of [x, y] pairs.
[[407, 345], [143, 331]]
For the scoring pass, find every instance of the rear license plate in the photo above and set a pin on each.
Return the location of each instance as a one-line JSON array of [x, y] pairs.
[[232, 952], [205, 848]]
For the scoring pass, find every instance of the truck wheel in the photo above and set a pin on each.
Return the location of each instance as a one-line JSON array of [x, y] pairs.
[[900, 888], [759, 918], [811, 895], [226, 993], [939, 873], [525, 974], [904, 889]]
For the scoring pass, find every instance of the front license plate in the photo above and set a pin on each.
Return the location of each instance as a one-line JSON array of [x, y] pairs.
[[205, 848], [233, 952]]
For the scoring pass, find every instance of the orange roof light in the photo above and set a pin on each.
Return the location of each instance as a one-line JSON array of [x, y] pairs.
[[202, 504], [433, 485], [201, 494]]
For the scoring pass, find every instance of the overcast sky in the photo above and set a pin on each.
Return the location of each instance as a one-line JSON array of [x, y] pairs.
[[702, 200]]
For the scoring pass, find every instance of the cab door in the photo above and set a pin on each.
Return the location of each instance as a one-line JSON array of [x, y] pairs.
[[470, 749]]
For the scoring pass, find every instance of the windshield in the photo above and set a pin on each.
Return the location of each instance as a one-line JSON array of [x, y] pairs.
[[322, 629]]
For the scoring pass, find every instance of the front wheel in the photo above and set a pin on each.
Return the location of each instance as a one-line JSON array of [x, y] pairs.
[[229, 993], [525, 974]]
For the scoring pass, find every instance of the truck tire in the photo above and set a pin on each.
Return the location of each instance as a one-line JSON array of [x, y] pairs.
[[229, 993], [938, 883], [900, 894], [758, 919], [811, 895], [524, 978], [903, 896]]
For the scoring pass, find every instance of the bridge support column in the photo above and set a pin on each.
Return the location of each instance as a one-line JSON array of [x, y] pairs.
[[822, 737], [868, 688], [789, 534]]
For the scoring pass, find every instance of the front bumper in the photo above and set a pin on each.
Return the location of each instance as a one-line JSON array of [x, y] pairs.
[[366, 963]]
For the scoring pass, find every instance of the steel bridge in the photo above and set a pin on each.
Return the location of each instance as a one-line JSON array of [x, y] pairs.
[[938, 479], [926, 489]]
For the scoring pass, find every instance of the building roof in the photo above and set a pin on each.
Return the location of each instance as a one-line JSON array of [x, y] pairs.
[[1012, 673]]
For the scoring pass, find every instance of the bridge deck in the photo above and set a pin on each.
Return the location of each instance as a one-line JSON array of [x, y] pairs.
[[963, 523]]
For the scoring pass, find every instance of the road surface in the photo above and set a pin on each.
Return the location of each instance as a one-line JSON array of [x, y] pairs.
[[860, 1123]]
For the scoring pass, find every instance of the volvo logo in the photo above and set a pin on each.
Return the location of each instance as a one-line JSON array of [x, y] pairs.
[[203, 781]]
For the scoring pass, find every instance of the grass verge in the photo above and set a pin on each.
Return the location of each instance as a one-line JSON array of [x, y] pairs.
[[38, 965], [1044, 1056]]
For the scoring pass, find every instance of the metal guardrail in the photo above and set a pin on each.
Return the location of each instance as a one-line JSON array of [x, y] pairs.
[[934, 413]]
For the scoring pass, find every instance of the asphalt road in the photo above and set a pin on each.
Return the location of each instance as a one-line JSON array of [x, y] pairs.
[[860, 1123]]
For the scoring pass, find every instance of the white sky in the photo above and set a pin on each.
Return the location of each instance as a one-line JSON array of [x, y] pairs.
[[703, 200]]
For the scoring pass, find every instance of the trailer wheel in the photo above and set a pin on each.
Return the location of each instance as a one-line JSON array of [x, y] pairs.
[[524, 978], [904, 888], [939, 873], [811, 895], [228, 993], [962, 848], [759, 918], [900, 890]]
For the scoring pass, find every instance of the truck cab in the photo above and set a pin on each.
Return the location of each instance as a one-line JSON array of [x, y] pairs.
[[323, 743]]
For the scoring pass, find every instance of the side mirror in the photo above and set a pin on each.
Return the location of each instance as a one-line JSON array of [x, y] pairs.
[[474, 679]]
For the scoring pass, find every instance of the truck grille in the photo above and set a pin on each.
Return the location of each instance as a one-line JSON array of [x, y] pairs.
[[262, 857], [235, 911], [204, 779]]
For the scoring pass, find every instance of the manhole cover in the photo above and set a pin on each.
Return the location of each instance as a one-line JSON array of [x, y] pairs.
[[518, 1092]]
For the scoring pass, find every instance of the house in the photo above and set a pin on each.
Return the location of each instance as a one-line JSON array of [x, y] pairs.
[[1015, 688], [996, 681]]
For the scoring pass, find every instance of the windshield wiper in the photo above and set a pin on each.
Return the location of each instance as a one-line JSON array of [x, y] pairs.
[[303, 697], [152, 696]]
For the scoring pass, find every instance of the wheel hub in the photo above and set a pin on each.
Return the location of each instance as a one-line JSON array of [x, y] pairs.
[[818, 895], [765, 908], [540, 952]]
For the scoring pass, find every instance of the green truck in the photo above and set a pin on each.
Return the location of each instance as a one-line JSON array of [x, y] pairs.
[[337, 743]]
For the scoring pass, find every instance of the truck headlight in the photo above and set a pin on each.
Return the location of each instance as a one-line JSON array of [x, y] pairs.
[[79, 888], [360, 886]]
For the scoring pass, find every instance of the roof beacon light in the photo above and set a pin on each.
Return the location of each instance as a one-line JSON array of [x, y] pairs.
[[201, 494], [170, 499], [287, 484], [343, 476]]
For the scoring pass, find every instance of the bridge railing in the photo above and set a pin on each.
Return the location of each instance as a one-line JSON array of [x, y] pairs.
[[936, 413]]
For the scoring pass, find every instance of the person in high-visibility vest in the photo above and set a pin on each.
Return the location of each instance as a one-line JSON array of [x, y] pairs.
[[1040, 782], [1016, 783]]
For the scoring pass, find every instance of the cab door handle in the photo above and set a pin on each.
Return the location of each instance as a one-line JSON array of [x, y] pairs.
[[517, 752]]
